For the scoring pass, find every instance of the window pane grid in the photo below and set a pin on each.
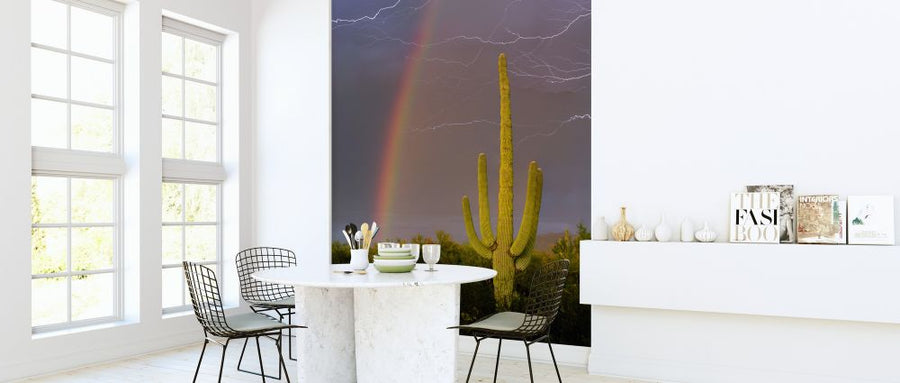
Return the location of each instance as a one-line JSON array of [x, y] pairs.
[[182, 204], [85, 288], [198, 98], [106, 128]]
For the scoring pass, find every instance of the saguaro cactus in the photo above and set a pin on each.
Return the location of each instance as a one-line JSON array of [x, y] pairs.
[[508, 255]]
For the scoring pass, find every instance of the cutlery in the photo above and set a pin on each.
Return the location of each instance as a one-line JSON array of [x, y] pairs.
[[364, 228], [374, 230], [349, 271], [347, 236], [349, 231], [359, 239]]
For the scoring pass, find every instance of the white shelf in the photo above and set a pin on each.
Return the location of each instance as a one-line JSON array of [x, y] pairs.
[[838, 282]]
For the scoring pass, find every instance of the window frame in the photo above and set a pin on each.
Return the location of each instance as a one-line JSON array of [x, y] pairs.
[[185, 171], [68, 274], [189, 31], [183, 223], [71, 163], [108, 8]]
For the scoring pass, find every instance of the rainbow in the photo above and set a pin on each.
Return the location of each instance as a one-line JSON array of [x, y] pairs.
[[398, 119]]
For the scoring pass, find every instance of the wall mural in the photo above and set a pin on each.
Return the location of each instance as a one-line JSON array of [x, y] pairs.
[[417, 125]]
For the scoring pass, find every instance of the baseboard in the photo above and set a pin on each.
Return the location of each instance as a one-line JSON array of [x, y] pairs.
[[103, 355], [673, 371], [574, 356]]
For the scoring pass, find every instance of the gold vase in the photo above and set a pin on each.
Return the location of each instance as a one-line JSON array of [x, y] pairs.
[[622, 230]]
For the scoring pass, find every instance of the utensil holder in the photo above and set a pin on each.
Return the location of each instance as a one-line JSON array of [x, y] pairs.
[[359, 259]]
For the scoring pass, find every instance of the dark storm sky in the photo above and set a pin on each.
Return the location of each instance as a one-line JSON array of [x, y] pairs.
[[455, 111]]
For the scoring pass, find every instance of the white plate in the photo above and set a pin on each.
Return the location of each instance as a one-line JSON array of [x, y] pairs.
[[395, 262]]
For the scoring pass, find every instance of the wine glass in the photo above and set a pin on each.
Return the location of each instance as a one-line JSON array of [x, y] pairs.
[[431, 254], [413, 249]]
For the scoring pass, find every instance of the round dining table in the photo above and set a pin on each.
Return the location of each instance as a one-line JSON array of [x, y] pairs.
[[376, 327]]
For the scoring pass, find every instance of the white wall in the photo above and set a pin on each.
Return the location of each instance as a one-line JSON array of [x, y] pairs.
[[694, 99], [293, 127], [145, 330]]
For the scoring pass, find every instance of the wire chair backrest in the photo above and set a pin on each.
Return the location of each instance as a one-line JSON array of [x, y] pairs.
[[545, 296], [204, 290], [256, 259]]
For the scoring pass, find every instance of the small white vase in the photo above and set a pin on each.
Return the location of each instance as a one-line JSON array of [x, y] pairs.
[[600, 231], [643, 234], [663, 231], [706, 234], [687, 231]]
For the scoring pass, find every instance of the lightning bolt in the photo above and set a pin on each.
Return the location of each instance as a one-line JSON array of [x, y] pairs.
[[455, 124], [555, 74], [489, 40], [559, 127], [445, 125], [340, 21]]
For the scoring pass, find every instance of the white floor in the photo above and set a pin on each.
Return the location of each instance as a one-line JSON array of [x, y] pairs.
[[178, 366]]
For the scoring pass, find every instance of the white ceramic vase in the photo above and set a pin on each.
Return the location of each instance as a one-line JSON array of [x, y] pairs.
[[706, 234], [687, 231], [663, 231], [600, 231], [643, 233]]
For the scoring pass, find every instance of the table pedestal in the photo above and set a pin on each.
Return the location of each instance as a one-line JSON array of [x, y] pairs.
[[375, 335], [402, 335], [326, 348]]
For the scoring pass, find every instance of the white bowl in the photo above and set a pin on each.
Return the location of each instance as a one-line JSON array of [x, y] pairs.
[[395, 262], [405, 250]]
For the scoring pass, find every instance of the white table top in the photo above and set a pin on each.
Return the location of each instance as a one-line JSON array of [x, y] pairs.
[[445, 274]]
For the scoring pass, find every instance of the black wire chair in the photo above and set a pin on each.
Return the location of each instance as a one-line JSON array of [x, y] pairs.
[[263, 296], [204, 289], [532, 326]]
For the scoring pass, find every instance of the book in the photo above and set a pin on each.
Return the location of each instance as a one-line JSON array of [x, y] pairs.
[[819, 219], [871, 220], [842, 210], [754, 217], [786, 218]]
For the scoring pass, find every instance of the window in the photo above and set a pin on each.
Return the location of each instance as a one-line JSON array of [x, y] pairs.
[[190, 93], [190, 232], [192, 166], [77, 164]]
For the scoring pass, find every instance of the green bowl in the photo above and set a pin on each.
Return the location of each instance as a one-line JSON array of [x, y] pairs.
[[395, 269]]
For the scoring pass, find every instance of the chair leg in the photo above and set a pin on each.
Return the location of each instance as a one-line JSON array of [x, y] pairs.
[[475, 354], [554, 359], [222, 363], [281, 362], [241, 359], [197, 371], [262, 371], [497, 364], [528, 354], [258, 351], [291, 336]]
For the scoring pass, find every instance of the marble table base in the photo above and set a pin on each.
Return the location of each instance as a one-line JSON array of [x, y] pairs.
[[326, 348], [375, 335]]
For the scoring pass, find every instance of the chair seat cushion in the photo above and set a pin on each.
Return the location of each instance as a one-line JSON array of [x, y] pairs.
[[500, 322], [279, 303], [253, 322]]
